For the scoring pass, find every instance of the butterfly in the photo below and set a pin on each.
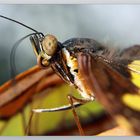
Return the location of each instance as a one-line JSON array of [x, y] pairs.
[[44, 88], [98, 72], [116, 84], [112, 76]]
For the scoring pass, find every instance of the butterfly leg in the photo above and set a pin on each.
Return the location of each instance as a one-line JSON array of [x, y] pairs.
[[28, 128], [77, 120], [23, 117]]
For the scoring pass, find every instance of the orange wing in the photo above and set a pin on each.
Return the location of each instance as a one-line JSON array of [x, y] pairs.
[[13, 96]]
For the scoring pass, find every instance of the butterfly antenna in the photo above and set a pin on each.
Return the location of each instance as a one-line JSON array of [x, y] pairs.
[[18, 23], [12, 55], [13, 51]]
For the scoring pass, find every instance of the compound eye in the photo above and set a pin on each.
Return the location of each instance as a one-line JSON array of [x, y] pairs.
[[49, 44]]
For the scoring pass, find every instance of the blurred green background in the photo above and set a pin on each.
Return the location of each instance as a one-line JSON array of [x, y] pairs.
[[117, 25]]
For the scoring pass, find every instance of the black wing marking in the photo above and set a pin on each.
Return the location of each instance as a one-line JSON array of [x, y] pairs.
[[131, 53]]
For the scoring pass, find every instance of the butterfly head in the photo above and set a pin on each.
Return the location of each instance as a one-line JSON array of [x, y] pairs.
[[49, 45], [63, 59], [44, 47]]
